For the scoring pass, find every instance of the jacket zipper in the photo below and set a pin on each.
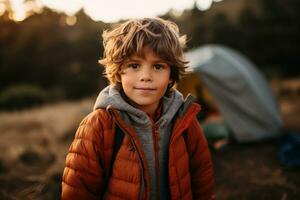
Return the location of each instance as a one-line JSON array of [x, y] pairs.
[[156, 151]]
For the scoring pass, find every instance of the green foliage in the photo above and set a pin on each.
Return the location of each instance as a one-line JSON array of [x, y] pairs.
[[22, 96]]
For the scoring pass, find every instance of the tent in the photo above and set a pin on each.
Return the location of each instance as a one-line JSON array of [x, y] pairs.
[[240, 91]]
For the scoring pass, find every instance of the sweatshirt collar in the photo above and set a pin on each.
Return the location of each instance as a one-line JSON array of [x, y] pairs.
[[157, 113], [111, 96]]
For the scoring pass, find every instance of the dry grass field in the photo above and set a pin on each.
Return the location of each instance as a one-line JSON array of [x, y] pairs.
[[34, 143], [33, 147]]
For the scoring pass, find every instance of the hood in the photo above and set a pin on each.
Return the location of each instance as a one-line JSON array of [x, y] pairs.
[[113, 96]]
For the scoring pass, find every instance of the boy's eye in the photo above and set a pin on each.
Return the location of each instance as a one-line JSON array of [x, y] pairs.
[[159, 66], [133, 65]]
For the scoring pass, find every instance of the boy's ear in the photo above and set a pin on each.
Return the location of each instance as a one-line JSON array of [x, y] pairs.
[[171, 84], [118, 77]]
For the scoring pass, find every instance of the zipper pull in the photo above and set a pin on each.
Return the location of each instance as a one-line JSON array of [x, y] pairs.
[[131, 148]]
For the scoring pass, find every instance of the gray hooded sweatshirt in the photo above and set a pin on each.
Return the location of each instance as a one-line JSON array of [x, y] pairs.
[[143, 126]]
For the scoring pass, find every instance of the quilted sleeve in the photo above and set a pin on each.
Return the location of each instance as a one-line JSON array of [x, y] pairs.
[[83, 173], [201, 168]]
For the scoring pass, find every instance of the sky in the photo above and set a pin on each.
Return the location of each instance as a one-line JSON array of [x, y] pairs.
[[105, 10]]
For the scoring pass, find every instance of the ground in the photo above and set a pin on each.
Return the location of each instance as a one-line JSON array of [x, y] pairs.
[[253, 172], [34, 144]]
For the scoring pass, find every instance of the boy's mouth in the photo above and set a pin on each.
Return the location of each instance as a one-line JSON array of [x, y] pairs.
[[144, 88]]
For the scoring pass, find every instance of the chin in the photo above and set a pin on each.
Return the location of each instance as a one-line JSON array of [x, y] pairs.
[[144, 103]]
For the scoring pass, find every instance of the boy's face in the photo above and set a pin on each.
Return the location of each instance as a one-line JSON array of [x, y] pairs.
[[145, 80]]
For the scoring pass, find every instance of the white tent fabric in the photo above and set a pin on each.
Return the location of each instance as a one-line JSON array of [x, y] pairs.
[[239, 89]]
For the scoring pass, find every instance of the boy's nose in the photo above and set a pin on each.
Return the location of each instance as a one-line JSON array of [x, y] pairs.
[[146, 75]]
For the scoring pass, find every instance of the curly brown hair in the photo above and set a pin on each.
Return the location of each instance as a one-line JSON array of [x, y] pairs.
[[130, 37]]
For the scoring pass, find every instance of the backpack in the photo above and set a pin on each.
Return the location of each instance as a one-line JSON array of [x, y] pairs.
[[119, 136]]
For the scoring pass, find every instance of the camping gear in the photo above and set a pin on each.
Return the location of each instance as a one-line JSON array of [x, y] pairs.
[[215, 131], [289, 152], [240, 91]]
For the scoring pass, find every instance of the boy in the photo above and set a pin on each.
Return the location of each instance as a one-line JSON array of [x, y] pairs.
[[163, 154]]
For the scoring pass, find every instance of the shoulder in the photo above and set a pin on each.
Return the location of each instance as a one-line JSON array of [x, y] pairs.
[[96, 118], [195, 130], [94, 124]]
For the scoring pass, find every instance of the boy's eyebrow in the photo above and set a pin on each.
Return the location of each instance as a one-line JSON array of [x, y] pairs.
[[132, 60], [154, 61]]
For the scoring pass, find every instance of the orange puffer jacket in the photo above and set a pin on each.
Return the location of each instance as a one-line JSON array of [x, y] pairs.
[[89, 158]]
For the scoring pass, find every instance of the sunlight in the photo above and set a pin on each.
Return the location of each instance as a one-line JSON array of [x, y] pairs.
[[70, 7], [203, 4], [2, 9], [115, 10], [19, 12], [21, 9], [106, 10], [33, 7], [122, 9], [71, 20]]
